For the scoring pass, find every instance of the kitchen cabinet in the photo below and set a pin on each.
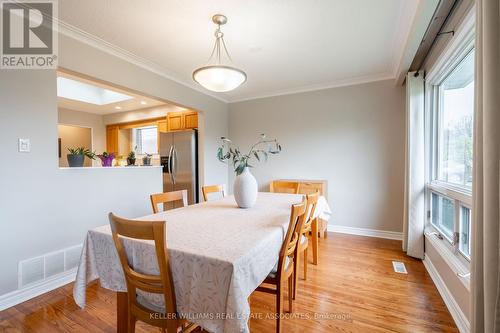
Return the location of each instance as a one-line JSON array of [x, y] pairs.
[[162, 126], [190, 120], [112, 133], [177, 121], [120, 143]]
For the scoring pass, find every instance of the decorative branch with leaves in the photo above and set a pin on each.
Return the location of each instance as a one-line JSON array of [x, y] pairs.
[[259, 151]]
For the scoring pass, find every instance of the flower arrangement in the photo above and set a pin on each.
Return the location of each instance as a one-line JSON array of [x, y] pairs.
[[259, 150], [106, 159]]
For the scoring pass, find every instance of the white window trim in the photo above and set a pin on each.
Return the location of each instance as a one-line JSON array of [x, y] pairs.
[[454, 53], [134, 139], [461, 269]]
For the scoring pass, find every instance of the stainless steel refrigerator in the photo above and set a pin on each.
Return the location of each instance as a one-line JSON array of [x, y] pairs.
[[179, 159]]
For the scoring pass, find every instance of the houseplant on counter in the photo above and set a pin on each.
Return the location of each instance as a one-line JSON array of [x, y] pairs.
[[146, 160], [107, 159], [76, 156], [131, 157], [245, 185]]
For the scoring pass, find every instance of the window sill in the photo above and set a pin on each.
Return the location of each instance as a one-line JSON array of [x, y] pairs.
[[456, 265]]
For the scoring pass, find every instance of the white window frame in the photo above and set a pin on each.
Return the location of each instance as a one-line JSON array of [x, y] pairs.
[[459, 48], [134, 140]]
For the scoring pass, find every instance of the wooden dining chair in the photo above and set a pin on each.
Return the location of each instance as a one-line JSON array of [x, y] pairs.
[[284, 187], [282, 273], [166, 317], [213, 189], [168, 197], [303, 231]]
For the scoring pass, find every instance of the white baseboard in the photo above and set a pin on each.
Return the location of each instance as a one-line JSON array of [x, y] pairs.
[[21, 295], [365, 232], [460, 319]]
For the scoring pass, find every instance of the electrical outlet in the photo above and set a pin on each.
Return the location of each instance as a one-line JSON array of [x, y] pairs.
[[24, 145]]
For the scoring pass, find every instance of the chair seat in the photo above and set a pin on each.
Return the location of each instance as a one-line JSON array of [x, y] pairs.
[[274, 271]]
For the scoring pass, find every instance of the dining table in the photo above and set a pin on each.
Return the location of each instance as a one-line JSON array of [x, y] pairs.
[[219, 254]]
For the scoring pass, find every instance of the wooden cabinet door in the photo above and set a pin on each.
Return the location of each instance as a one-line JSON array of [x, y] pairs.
[[112, 133], [191, 120], [161, 125], [175, 121]]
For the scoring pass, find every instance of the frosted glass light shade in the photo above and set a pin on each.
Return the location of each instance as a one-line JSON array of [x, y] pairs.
[[219, 78]]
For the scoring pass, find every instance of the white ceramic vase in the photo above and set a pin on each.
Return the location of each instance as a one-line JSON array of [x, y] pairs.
[[245, 189]]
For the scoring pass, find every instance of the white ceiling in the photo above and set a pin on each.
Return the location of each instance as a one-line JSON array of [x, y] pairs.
[[282, 45], [134, 103]]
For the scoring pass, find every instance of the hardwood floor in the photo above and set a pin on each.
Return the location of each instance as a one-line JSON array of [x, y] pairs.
[[353, 289]]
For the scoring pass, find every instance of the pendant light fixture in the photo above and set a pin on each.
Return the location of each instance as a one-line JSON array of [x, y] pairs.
[[216, 76]]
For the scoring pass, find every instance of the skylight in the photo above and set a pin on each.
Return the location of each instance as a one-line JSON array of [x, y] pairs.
[[84, 92]]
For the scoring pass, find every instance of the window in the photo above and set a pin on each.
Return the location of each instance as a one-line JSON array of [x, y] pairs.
[[145, 140], [465, 230], [455, 125], [450, 181], [443, 214]]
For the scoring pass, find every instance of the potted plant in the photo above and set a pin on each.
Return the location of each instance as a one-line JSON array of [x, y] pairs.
[[146, 160], [245, 184], [107, 159], [76, 156], [131, 158]]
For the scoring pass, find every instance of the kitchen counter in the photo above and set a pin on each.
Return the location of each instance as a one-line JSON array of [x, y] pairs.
[[111, 168]]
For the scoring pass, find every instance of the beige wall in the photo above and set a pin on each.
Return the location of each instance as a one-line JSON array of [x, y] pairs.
[[90, 120], [64, 203], [74, 137], [351, 136]]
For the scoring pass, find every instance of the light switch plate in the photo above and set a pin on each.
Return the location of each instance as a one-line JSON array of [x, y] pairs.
[[24, 145]]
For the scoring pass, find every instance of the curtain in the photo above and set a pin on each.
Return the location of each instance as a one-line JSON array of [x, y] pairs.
[[414, 193], [486, 186]]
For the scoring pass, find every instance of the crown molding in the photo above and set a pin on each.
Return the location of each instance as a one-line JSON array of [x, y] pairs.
[[323, 86], [82, 36]]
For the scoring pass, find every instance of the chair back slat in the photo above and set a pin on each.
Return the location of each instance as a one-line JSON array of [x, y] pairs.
[[279, 186], [213, 189], [297, 215], [167, 197], [158, 284], [312, 202]]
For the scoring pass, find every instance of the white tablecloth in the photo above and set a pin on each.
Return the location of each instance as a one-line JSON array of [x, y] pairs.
[[219, 254]]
